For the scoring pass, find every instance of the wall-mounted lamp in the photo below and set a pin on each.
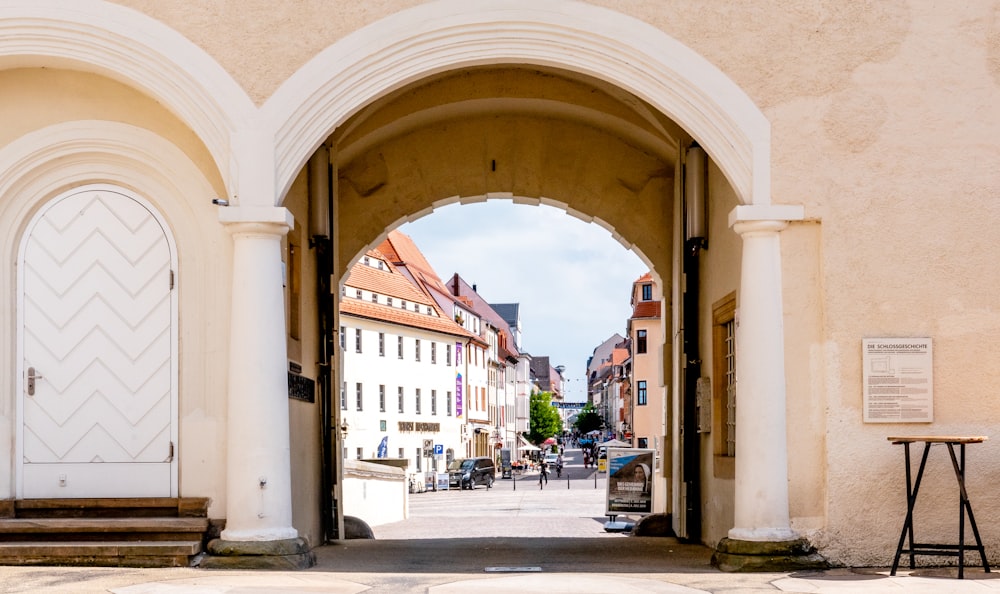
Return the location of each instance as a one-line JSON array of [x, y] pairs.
[[343, 428], [696, 196], [220, 202]]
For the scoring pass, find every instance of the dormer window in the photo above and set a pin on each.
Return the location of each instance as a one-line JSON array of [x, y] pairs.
[[647, 292]]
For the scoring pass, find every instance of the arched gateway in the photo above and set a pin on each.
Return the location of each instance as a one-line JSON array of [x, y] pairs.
[[571, 105]]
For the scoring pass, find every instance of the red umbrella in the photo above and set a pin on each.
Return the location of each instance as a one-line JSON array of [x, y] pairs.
[[549, 441]]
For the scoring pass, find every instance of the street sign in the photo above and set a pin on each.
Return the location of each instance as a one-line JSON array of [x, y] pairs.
[[439, 449], [428, 448]]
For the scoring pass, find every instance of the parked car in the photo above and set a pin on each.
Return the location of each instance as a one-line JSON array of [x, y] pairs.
[[466, 473], [550, 459]]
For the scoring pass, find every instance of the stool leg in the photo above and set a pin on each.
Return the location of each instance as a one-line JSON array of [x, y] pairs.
[[911, 498], [960, 475], [965, 507]]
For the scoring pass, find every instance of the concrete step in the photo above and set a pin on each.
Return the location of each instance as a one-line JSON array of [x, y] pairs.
[[108, 553]]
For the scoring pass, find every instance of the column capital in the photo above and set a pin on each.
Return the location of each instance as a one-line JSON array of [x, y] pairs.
[[758, 227], [749, 213], [276, 219]]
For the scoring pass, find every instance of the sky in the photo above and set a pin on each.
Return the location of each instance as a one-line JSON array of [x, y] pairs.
[[572, 279]]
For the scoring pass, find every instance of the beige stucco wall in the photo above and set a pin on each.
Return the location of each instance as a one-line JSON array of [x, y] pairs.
[[720, 276], [304, 417], [36, 100], [883, 125]]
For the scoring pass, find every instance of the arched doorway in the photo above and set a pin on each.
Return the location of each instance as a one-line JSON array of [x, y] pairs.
[[97, 349], [533, 135]]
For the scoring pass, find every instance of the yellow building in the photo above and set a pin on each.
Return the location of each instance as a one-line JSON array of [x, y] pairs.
[[184, 187]]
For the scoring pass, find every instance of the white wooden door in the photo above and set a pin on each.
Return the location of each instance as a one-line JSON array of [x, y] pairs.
[[97, 397]]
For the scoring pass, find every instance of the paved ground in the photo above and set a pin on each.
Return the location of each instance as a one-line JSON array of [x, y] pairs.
[[515, 537]]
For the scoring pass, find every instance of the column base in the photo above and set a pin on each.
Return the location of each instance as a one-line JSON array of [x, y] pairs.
[[292, 553], [746, 555]]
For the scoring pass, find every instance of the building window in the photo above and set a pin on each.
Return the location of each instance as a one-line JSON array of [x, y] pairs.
[[343, 396], [640, 341], [416, 349], [724, 388], [434, 402], [374, 297], [647, 292], [434, 353], [381, 398], [730, 387], [447, 403], [399, 347], [420, 459], [357, 340], [641, 396], [343, 338], [361, 453], [643, 442], [417, 400], [357, 293], [358, 395], [400, 393], [402, 303], [447, 355], [388, 301], [381, 344], [402, 454]]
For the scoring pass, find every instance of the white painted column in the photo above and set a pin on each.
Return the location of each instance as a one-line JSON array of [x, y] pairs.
[[761, 505], [258, 486]]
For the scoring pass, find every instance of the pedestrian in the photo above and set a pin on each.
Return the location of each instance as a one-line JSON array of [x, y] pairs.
[[543, 473], [559, 465]]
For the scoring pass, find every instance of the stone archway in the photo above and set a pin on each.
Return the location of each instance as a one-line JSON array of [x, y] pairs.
[[664, 80]]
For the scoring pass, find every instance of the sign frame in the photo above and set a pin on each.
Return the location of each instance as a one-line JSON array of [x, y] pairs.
[[897, 380], [626, 494]]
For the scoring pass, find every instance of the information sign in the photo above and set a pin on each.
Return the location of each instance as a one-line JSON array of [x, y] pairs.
[[898, 380]]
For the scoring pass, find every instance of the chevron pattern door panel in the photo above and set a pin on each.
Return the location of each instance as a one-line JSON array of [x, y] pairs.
[[97, 328]]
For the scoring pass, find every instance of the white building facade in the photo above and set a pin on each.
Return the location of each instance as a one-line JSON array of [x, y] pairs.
[[402, 364]]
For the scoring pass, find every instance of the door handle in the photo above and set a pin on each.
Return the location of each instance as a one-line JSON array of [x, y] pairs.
[[32, 376]]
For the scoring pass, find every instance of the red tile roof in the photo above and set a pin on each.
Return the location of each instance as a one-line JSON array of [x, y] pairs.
[[394, 315], [385, 282], [391, 282], [646, 309]]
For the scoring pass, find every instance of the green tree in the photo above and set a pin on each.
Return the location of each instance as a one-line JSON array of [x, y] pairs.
[[588, 419], [545, 419]]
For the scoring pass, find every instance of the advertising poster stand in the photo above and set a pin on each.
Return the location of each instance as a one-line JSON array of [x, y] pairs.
[[629, 485]]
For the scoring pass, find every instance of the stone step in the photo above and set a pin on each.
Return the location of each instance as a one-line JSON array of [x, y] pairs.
[[108, 553], [102, 528], [184, 507]]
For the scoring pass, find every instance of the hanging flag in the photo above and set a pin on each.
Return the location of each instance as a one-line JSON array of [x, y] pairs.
[[383, 448]]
